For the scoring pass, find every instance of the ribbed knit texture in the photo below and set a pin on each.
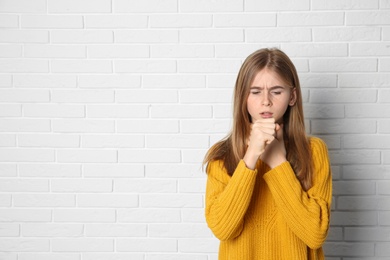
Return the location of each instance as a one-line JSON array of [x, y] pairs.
[[265, 214]]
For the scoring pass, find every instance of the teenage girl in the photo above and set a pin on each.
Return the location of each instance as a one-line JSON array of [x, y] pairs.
[[269, 185]]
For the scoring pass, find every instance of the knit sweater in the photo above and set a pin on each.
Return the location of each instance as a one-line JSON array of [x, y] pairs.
[[265, 214]]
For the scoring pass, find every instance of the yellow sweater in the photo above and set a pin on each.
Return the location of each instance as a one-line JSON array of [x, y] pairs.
[[265, 214]]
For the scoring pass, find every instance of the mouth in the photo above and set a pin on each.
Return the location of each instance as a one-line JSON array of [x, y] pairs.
[[266, 115]]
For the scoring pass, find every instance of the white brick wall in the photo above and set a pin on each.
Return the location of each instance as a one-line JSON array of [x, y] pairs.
[[108, 106]]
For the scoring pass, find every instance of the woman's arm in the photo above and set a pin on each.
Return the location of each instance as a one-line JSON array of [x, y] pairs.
[[306, 213], [227, 198]]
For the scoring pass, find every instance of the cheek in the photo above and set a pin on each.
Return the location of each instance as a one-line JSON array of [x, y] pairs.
[[251, 107]]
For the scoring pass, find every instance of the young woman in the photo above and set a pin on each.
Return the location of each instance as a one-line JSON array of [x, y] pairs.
[[269, 186]]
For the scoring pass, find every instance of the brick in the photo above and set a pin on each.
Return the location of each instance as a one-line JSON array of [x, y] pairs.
[[140, 186], [245, 20], [354, 188], [174, 81], [23, 66], [384, 65], [367, 18], [24, 6], [81, 36], [366, 172], [174, 141], [81, 66], [87, 156], [384, 218], [344, 5], [48, 256], [382, 249], [343, 96], [179, 230], [180, 111], [386, 157], [55, 51], [48, 140], [24, 96], [173, 170], [10, 110], [116, 230], [148, 156], [369, 49], [206, 96], [82, 96], [354, 218], [316, 50], [113, 170], [24, 36], [11, 51], [144, 215], [77, 6], [117, 111], [237, 50], [363, 203], [112, 141], [52, 230], [363, 80], [323, 111], [44, 81], [311, 19], [9, 230], [111, 256], [384, 96], [222, 111], [149, 6], [365, 142], [278, 35], [44, 200], [81, 185], [5, 200], [146, 245], [112, 21], [171, 201], [118, 51], [109, 81], [83, 245], [145, 66], [384, 126], [148, 126], [205, 126], [349, 249], [83, 125], [9, 21], [192, 186], [346, 34], [212, 35], [178, 256], [24, 245], [355, 156], [26, 155], [146, 96], [52, 21], [198, 245], [193, 215], [182, 51], [7, 140], [147, 36], [215, 6], [107, 200], [279, 5], [84, 215], [193, 156], [25, 215], [56, 170], [344, 65], [54, 111], [208, 66], [181, 21], [383, 187], [5, 80]]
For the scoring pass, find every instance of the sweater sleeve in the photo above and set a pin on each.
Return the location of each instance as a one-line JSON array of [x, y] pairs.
[[307, 214], [227, 198]]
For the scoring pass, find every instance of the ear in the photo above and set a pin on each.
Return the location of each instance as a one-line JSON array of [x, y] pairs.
[[293, 97]]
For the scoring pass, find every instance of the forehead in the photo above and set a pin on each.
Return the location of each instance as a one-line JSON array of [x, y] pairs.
[[267, 78]]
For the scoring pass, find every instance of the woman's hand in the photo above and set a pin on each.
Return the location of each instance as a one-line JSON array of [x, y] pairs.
[[262, 134], [275, 152]]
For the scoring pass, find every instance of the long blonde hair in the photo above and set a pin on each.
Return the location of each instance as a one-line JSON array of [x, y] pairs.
[[233, 147]]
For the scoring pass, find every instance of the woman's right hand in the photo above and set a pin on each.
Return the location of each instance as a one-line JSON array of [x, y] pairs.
[[262, 134]]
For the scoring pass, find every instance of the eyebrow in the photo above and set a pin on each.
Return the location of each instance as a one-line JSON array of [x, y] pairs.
[[271, 88]]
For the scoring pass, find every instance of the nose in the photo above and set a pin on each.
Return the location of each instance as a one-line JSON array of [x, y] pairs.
[[266, 101]]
